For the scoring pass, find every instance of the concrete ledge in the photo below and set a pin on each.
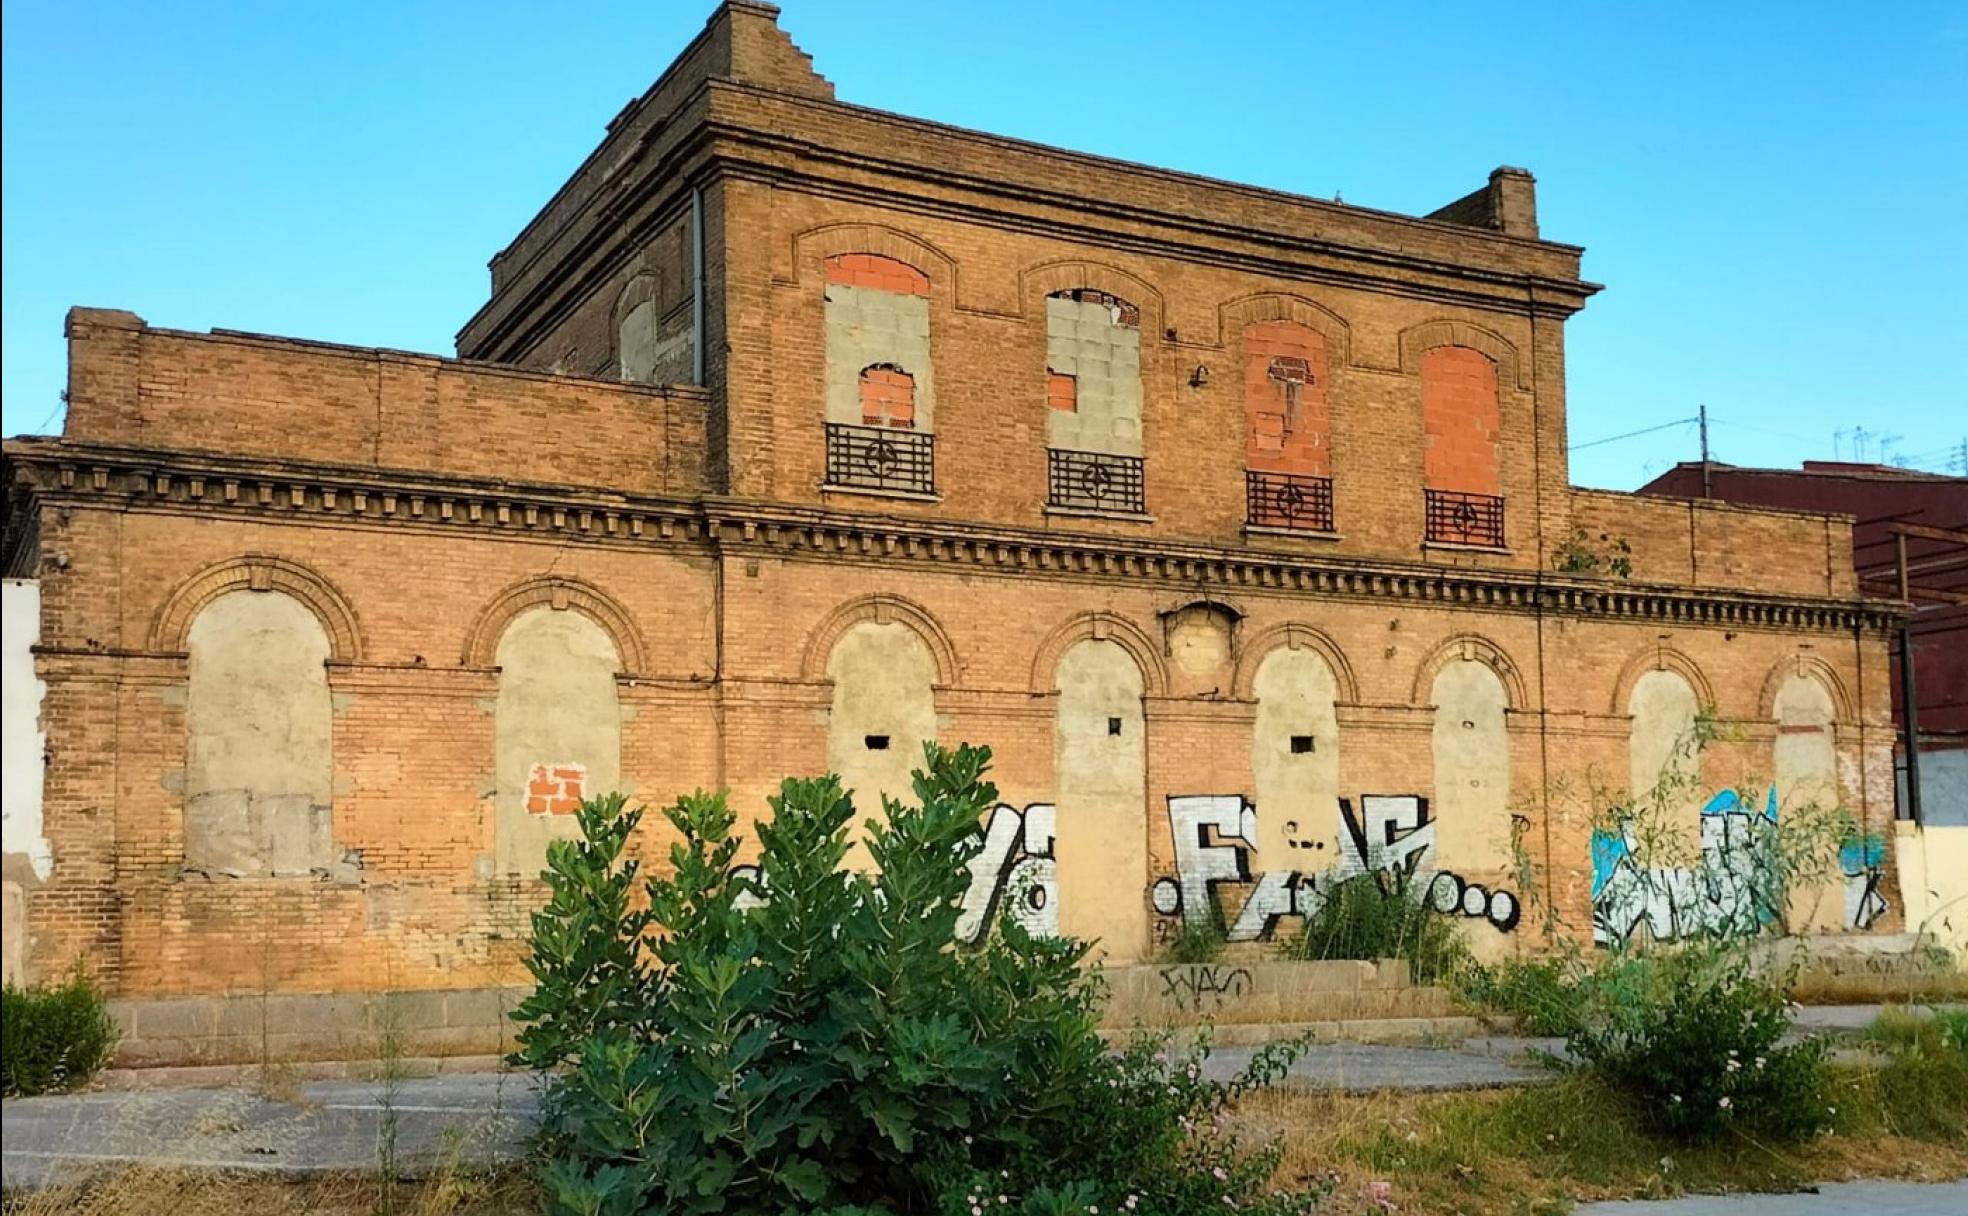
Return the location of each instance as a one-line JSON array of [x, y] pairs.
[[288, 1028], [1269, 992]]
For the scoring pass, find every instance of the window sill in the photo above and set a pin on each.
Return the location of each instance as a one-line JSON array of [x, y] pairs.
[[1132, 517], [1292, 533], [1452, 546], [828, 487]]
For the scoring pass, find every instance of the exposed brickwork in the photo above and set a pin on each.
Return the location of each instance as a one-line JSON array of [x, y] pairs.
[[888, 396], [1285, 399], [1459, 422], [878, 272], [555, 789], [419, 505]]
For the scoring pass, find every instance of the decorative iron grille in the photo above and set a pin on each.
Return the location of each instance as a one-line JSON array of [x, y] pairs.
[[1094, 481], [881, 458], [1464, 519], [1288, 500]]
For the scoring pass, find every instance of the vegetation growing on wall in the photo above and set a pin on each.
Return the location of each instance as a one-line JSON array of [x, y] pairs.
[[1579, 553]]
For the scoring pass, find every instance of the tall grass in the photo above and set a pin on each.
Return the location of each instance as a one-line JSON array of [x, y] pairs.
[[1376, 916]]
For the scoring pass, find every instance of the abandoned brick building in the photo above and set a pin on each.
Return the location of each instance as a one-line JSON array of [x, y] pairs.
[[795, 434]]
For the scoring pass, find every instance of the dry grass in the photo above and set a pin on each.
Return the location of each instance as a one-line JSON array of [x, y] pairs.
[[1539, 1150], [151, 1191]]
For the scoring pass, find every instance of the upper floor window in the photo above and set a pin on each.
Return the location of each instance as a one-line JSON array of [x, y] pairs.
[[1093, 391], [1460, 422], [879, 376], [1287, 444]]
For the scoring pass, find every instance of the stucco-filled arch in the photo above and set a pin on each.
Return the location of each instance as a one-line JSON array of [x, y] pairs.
[[259, 572], [1105, 627], [883, 711], [1474, 648], [880, 608], [1036, 283], [1418, 340], [1293, 636], [1295, 758], [558, 592], [1235, 316], [557, 727], [259, 775], [1812, 668], [1100, 842], [1659, 657]]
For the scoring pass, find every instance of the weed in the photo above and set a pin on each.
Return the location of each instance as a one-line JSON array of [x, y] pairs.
[[1374, 916], [55, 1038]]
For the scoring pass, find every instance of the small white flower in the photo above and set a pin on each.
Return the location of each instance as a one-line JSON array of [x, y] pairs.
[[1725, 1104]]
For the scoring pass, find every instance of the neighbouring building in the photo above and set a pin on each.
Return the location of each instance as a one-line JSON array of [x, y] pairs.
[[795, 434]]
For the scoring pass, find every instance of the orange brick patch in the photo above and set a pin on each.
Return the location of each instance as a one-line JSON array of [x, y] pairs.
[[555, 789]]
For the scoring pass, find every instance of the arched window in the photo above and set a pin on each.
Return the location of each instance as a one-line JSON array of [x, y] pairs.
[[1295, 760], [1093, 372], [1663, 753], [877, 318], [1287, 443], [883, 712], [1100, 841], [1093, 394], [259, 776], [557, 731], [1471, 747], [1460, 423], [1806, 759], [1285, 399]]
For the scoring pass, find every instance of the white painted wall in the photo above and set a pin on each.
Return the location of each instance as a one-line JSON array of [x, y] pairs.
[[20, 795]]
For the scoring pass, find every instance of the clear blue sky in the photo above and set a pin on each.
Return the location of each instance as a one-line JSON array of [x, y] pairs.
[[1776, 195]]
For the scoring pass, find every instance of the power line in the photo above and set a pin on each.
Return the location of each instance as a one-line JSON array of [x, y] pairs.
[[1580, 447]]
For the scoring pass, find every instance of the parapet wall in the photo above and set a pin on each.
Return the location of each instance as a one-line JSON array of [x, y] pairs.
[[1695, 543], [247, 395]]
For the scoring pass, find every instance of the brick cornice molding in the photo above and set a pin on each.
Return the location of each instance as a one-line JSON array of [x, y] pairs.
[[120, 478]]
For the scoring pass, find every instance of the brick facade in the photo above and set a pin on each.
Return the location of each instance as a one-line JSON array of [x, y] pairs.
[[419, 507]]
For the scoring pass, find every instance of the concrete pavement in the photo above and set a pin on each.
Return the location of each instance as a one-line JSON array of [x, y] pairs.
[[1830, 1199], [328, 1126]]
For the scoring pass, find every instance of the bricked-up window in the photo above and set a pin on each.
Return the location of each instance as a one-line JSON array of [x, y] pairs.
[[1459, 421], [1093, 373], [556, 731], [1287, 446], [1062, 392], [259, 777], [878, 367], [888, 396], [1285, 399]]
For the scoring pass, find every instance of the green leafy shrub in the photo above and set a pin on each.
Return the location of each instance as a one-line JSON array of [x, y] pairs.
[[1544, 994], [1695, 1036], [808, 1038], [55, 1039], [1375, 915]]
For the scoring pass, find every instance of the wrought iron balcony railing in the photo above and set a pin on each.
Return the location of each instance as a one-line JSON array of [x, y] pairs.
[[1094, 481], [881, 458], [1288, 500], [1463, 519]]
